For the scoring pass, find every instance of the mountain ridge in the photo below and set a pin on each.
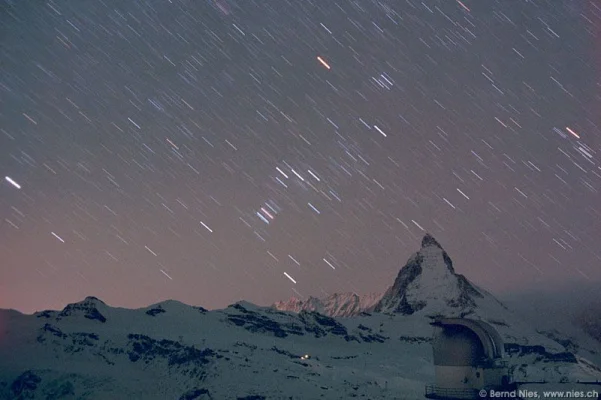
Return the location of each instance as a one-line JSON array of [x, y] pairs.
[[430, 267], [90, 350]]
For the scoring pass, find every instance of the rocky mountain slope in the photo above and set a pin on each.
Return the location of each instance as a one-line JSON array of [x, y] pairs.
[[426, 284], [336, 305], [381, 350], [589, 320]]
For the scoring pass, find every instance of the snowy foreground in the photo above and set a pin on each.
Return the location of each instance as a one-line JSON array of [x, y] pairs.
[[379, 349]]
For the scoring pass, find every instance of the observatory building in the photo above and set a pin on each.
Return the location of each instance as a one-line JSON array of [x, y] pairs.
[[468, 357]]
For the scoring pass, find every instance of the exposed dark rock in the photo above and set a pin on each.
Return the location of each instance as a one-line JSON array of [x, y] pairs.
[[24, 386], [498, 323], [147, 349], [93, 299], [87, 308], [352, 338], [344, 358], [59, 390], [95, 315], [154, 311], [415, 339], [84, 339], [258, 323], [196, 394], [373, 338], [541, 352], [54, 331], [320, 325], [248, 346], [46, 314], [286, 353], [428, 240], [398, 291], [240, 308], [567, 344], [79, 340]]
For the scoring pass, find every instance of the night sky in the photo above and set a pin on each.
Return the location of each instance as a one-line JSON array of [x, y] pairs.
[[216, 150]]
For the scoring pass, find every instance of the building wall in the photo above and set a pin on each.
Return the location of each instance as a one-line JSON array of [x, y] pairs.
[[456, 345], [493, 376], [465, 377], [456, 377]]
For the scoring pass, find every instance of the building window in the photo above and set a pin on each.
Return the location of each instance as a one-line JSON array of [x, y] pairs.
[[478, 374]]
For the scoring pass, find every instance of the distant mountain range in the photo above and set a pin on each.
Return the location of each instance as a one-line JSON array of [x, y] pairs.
[[339, 347], [427, 284]]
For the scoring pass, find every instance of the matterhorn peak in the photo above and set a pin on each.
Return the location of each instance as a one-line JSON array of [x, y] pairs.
[[428, 240], [428, 282]]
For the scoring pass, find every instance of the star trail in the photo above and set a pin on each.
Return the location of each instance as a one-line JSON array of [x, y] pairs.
[[217, 150]]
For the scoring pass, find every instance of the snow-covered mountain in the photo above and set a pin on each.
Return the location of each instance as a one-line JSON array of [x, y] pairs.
[[589, 320], [336, 305], [381, 350], [426, 284]]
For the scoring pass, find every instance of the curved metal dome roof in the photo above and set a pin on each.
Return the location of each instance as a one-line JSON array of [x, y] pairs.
[[464, 341]]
